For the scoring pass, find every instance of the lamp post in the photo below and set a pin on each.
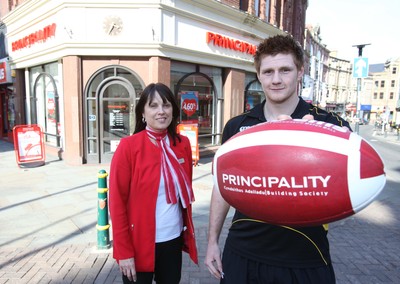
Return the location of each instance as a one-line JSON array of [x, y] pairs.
[[358, 102]]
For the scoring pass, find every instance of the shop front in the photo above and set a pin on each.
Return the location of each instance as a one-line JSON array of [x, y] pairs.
[[111, 94], [8, 112], [83, 80]]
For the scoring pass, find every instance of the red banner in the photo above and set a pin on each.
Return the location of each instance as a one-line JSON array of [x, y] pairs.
[[3, 72]]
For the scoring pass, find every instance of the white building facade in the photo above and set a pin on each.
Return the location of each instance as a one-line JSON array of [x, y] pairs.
[[80, 67]]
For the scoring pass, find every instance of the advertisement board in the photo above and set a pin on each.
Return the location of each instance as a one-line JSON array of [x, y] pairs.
[[191, 131], [29, 145], [5, 72]]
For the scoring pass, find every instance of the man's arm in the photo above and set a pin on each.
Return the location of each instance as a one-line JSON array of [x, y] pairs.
[[218, 210]]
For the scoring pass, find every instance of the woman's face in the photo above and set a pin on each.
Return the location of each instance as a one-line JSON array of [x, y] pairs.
[[158, 115]]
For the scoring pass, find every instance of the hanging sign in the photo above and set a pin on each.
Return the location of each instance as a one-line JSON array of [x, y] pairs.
[[29, 144], [5, 72]]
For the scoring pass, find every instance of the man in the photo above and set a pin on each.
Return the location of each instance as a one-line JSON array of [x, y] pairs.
[[257, 252]]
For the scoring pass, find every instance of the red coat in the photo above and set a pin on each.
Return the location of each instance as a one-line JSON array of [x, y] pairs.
[[135, 173]]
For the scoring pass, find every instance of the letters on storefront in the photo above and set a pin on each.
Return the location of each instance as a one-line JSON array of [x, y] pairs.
[[35, 37], [230, 43]]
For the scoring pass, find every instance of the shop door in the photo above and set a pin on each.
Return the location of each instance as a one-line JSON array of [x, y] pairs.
[[3, 113], [115, 113], [7, 114]]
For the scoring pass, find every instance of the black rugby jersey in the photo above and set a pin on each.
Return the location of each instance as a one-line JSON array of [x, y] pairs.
[[271, 244]]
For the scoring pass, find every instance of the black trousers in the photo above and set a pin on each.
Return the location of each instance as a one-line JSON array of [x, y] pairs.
[[168, 265], [239, 270]]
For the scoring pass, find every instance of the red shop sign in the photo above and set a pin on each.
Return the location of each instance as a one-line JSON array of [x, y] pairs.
[[29, 145]]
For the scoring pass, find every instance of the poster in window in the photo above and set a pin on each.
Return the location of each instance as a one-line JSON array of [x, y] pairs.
[[51, 126], [117, 112], [190, 107]]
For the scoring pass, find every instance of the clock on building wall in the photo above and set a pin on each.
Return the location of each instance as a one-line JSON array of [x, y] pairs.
[[112, 25]]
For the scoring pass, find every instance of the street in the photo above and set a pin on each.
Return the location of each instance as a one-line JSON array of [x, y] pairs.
[[49, 220], [366, 247]]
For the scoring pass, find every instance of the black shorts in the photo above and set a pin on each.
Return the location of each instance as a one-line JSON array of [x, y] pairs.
[[239, 270]]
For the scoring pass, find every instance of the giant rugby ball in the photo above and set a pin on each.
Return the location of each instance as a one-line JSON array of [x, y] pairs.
[[298, 172]]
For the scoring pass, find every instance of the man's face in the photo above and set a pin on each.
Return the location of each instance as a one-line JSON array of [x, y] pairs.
[[279, 77]]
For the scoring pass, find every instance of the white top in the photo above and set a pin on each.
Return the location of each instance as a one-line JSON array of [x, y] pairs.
[[169, 221]]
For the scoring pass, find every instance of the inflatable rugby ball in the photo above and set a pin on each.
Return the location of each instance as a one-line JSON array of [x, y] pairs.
[[298, 172]]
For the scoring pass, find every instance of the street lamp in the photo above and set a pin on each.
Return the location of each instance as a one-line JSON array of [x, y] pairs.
[[358, 102]]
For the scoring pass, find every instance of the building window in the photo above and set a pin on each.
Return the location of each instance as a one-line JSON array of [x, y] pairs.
[[381, 96], [394, 70], [382, 83], [377, 83], [393, 83], [257, 8], [267, 10], [391, 95], [45, 107], [244, 5], [253, 92], [375, 96], [203, 84]]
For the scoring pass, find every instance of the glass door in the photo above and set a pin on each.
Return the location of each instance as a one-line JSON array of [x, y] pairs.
[[113, 120], [116, 113]]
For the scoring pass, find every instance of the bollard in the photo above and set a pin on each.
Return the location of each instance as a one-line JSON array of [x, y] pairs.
[[103, 234]]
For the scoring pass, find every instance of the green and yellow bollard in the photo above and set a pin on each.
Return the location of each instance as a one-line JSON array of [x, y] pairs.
[[103, 234]]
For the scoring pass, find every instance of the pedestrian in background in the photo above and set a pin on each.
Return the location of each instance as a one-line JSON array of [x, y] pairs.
[[255, 251], [151, 193]]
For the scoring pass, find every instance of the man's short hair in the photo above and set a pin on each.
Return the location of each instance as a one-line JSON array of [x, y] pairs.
[[285, 44]]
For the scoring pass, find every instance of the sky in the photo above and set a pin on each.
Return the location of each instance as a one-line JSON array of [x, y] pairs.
[[344, 23]]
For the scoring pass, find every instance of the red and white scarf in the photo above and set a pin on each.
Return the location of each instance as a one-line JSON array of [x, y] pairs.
[[174, 175]]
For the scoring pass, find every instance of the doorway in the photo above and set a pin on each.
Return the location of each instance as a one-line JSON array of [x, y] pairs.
[[7, 113], [109, 112]]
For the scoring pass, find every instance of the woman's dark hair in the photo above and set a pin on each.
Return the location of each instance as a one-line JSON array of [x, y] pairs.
[[147, 96]]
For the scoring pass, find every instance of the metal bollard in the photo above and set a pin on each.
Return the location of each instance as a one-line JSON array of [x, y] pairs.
[[103, 234]]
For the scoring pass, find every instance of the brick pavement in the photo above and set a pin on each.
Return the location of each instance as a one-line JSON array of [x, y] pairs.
[[48, 217]]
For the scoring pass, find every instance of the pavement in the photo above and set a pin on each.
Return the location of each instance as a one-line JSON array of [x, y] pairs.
[[49, 215]]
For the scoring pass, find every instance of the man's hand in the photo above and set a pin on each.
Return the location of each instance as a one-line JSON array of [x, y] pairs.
[[127, 267], [218, 210], [308, 117], [213, 260]]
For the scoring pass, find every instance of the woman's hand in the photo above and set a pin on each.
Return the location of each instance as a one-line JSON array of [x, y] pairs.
[[127, 267]]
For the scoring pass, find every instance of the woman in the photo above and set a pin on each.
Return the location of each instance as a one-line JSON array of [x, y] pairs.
[[151, 193]]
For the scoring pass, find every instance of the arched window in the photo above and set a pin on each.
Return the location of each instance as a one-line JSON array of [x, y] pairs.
[[44, 102]]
